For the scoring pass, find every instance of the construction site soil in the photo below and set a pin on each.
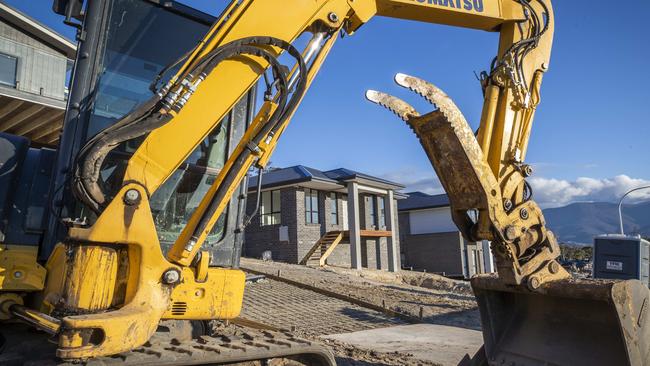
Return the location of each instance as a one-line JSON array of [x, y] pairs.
[[428, 298], [345, 354]]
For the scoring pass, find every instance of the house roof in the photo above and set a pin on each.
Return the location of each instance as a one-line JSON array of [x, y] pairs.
[[421, 200], [343, 174], [291, 175], [300, 174], [37, 30]]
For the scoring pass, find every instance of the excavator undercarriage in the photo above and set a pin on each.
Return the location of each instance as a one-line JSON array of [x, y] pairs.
[[222, 345]]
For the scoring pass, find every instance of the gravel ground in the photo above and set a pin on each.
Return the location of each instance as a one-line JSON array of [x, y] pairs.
[[440, 300], [284, 306]]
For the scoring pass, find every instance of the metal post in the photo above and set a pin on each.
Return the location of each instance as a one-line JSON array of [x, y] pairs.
[[620, 203]]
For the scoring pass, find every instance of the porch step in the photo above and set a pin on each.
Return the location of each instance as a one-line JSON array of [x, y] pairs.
[[323, 248]]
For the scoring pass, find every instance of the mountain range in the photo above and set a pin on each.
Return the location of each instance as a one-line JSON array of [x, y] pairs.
[[579, 222]]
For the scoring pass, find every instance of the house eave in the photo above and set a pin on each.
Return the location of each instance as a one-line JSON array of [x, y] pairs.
[[38, 31], [375, 183], [423, 208]]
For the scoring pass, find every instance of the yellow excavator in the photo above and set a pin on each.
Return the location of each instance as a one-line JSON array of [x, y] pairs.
[[140, 229]]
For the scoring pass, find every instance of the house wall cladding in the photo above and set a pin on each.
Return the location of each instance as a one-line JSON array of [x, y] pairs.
[[38, 65]]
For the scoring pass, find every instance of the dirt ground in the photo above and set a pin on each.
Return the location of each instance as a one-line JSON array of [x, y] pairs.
[[439, 300], [348, 355]]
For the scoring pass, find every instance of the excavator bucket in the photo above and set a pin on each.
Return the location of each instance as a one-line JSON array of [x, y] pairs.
[[562, 322], [565, 323]]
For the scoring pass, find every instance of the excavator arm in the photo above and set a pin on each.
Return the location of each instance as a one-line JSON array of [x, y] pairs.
[[136, 284], [483, 177], [231, 59], [484, 173]]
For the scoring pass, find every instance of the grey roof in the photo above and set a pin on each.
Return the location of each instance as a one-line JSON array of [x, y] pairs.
[[421, 200], [343, 174], [291, 175], [300, 173], [38, 30]]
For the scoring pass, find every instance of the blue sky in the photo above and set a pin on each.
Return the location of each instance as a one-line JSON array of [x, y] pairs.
[[591, 136]]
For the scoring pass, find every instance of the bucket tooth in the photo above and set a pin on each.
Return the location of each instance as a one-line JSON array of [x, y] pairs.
[[431, 94], [402, 109]]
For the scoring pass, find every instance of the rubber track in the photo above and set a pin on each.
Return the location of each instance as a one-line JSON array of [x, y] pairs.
[[249, 345]]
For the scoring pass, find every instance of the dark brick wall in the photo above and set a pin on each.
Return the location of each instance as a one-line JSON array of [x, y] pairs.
[[258, 239], [340, 256], [438, 253], [308, 234]]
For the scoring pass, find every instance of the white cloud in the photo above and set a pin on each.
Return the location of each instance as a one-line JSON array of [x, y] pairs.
[[414, 180], [556, 192], [548, 192]]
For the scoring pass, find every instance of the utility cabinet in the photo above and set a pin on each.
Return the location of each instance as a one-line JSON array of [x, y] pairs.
[[621, 257]]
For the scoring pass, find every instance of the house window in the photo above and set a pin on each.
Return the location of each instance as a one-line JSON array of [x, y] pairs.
[[334, 209], [8, 70], [311, 206], [372, 209], [270, 210], [382, 212]]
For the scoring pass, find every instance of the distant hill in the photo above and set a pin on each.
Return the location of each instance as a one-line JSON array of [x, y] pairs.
[[580, 222]]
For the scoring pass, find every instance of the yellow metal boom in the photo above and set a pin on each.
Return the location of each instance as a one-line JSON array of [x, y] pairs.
[[135, 285]]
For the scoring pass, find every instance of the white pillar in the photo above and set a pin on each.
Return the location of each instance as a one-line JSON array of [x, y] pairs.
[[378, 241], [393, 254], [355, 230], [488, 257]]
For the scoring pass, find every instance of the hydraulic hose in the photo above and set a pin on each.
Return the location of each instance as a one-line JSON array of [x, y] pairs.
[[151, 114], [260, 173], [232, 173]]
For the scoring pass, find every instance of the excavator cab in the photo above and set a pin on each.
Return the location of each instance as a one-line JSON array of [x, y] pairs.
[[123, 46]]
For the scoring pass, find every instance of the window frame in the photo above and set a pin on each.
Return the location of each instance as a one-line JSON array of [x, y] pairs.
[[381, 223], [15, 71], [310, 211], [274, 220], [372, 210], [334, 208]]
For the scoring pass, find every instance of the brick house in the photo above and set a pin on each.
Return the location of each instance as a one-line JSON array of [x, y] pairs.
[[336, 217], [431, 242]]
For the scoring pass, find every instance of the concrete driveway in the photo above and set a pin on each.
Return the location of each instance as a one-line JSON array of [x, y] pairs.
[[438, 343]]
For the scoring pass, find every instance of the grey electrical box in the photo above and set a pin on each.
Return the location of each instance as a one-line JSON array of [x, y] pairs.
[[621, 257]]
